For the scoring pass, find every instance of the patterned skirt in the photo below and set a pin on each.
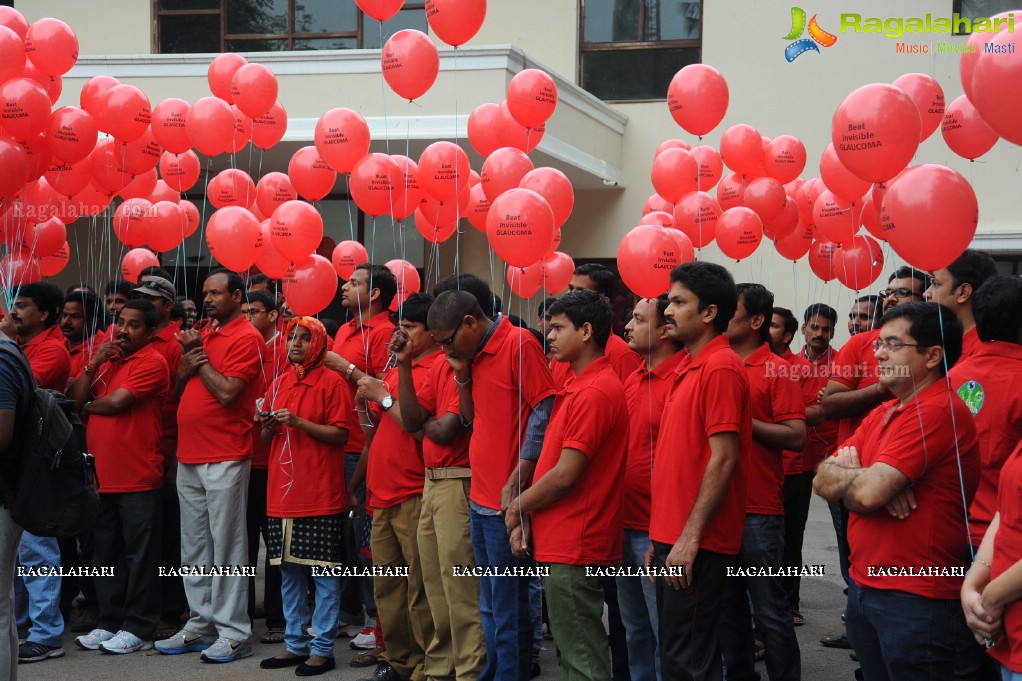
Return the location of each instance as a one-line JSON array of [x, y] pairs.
[[316, 540]]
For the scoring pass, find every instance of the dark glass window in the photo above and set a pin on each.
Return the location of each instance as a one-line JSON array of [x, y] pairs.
[[189, 33]]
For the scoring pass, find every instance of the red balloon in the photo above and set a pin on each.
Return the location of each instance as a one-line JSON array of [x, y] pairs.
[[698, 98], [731, 192], [658, 218], [655, 202], [806, 199], [520, 227], [455, 21], [555, 187], [342, 138], [167, 225], [25, 107], [309, 286], [784, 158], [686, 251], [93, 96], [710, 166], [37, 154], [269, 128], [242, 130], [90, 201], [231, 187], [675, 173], [410, 63], [964, 130], [381, 10], [296, 228], [12, 54], [311, 176], [373, 184], [220, 74], [407, 192], [836, 219], [859, 263], [52, 265], [140, 185], [130, 222], [739, 232], [191, 215], [107, 172], [512, 134], [273, 190], [934, 213], [140, 155], [13, 168], [431, 232], [558, 268], [443, 214], [766, 197], [254, 89], [525, 282], [875, 131], [19, 268], [478, 207], [671, 144], [482, 128], [995, 86], [71, 134], [785, 222], [741, 149], [268, 260], [14, 20], [44, 238], [232, 234], [443, 170], [407, 281], [839, 179], [928, 96], [136, 260], [69, 179], [697, 215], [126, 113], [645, 258], [210, 125], [169, 125], [347, 256], [51, 85], [531, 97], [872, 218], [504, 169], [164, 192], [821, 259], [52, 46], [797, 244], [180, 171]]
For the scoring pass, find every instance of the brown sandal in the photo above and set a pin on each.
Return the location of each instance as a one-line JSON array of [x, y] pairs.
[[366, 659], [273, 635]]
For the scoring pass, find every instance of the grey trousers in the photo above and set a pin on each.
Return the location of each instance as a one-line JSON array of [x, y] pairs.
[[214, 499], [10, 537]]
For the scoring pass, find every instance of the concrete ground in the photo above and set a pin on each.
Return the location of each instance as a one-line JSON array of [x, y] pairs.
[[822, 603]]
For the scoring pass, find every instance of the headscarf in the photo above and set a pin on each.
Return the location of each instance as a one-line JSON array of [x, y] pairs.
[[317, 343]]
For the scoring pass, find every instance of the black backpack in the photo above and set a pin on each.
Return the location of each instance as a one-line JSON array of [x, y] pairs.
[[56, 493]]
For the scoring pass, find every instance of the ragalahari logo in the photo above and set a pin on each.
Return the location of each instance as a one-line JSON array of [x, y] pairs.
[[802, 45]]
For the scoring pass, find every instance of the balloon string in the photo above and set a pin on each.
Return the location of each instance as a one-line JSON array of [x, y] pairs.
[[202, 216]]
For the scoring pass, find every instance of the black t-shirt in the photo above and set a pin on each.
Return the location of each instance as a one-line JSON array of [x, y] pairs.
[[14, 394]]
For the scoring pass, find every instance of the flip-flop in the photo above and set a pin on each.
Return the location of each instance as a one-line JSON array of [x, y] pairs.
[[273, 635], [366, 659], [798, 619]]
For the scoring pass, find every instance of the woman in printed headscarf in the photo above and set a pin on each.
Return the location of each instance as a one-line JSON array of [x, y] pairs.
[[304, 417]]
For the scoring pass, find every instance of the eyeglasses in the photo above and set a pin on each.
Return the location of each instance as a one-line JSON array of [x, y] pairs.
[[449, 341], [251, 312], [900, 293], [890, 345]]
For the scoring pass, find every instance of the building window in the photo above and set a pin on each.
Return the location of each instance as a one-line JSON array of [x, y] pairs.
[[630, 49], [977, 9], [189, 26]]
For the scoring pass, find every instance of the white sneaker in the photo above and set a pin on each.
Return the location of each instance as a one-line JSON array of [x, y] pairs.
[[93, 639], [366, 639], [124, 642]]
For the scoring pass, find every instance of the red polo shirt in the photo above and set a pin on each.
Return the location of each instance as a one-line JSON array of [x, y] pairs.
[[821, 440], [165, 343], [127, 445], [275, 364], [80, 356], [396, 471], [856, 367], [509, 377], [209, 432], [970, 344], [921, 442], [365, 346], [622, 359], [801, 372], [50, 361], [988, 382], [1008, 551], [710, 396], [772, 399], [438, 394], [646, 393], [584, 527], [306, 475]]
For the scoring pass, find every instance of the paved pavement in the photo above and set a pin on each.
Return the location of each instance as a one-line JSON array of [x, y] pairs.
[[822, 603]]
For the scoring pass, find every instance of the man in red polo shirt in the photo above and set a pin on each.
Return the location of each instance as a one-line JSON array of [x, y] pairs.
[[458, 649], [360, 349], [956, 285], [121, 390], [78, 324], [219, 383], [646, 392], [504, 370], [575, 502], [778, 423], [904, 476], [394, 482], [700, 473]]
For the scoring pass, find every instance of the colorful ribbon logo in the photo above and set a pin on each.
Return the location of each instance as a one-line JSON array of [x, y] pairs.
[[817, 36]]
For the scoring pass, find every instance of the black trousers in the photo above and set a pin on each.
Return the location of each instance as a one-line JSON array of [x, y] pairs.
[[798, 491], [126, 537], [272, 603], [689, 620]]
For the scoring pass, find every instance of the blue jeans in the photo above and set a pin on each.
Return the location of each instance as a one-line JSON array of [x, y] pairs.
[[898, 635], [636, 597], [38, 598], [503, 603], [762, 547], [294, 592], [1008, 675]]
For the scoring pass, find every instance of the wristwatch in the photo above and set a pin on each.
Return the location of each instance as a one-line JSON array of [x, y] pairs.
[[386, 403]]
